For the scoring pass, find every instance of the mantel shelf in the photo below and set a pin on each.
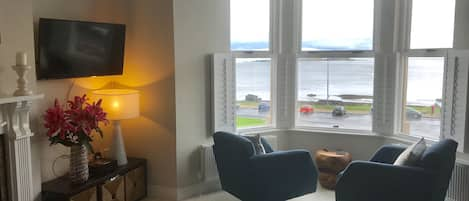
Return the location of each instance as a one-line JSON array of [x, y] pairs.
[[13, 99]]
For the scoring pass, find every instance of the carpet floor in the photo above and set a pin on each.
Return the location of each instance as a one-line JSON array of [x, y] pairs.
[[320, 195]]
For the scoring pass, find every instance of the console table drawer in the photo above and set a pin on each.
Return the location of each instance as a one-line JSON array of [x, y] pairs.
[[135, 184], [114, 189], [87, 195]]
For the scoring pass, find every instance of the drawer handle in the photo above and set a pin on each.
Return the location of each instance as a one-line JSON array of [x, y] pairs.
[[114, 178]]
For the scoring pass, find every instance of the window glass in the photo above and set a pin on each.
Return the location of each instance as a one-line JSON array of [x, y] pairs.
[[432, 24], [250, 25], [335, 93], [422, 112], [337, 25], [253, 92]]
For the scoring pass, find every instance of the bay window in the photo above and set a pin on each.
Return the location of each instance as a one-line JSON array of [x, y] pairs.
[[335, 66], [338, 65]]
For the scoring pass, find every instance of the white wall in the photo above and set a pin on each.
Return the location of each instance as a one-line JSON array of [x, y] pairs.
[[200, 29]]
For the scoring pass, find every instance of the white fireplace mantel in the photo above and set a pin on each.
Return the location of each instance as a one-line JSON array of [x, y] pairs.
[[14, 123]]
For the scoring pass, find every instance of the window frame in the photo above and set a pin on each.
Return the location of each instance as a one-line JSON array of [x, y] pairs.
[[271, 54], [405, 24], [301, 54], [273, 91]]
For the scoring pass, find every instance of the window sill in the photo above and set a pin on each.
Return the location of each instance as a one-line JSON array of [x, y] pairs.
[[399, 137], [408, 139], [256, 130], [311, 130]]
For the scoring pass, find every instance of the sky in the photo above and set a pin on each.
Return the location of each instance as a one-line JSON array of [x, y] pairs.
[[349, 24], [250, 20], [344, 25], [432, 24]]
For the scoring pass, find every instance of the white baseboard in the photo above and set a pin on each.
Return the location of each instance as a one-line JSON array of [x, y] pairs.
[[199, 189], [162, 193]]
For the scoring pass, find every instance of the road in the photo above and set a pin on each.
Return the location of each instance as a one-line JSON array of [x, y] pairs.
[[425, 127]]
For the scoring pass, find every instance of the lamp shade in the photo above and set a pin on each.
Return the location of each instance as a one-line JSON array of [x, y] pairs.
[[119, 104]]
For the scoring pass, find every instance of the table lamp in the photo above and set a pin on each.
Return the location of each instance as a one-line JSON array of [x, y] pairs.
[[119, 104]]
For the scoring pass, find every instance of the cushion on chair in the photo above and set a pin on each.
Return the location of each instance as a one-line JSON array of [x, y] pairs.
[[267, 147], [411, 156], [256, 141]]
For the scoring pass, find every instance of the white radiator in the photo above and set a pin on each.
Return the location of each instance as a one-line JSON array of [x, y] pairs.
[[458, 189], [208, 165]]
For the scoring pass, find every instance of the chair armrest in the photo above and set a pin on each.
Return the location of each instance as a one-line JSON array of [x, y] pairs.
[[371, 181], [387, 154], [283, 175]]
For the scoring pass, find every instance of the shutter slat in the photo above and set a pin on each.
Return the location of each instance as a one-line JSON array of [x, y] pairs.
[[455, 98], [223, 93]]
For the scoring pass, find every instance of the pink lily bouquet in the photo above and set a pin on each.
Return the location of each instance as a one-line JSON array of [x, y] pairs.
[[74, 123]]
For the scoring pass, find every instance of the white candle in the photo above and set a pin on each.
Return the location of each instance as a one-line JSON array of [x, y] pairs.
[[21, 59]]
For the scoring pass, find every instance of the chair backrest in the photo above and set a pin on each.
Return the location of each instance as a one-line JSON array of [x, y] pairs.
[[232, 153], [440, 159]]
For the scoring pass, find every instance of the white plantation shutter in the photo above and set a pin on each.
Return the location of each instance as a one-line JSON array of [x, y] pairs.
[[223, 93], [454, 125]]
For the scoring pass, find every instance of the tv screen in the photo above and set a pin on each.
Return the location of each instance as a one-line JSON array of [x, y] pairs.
[[70, 49]]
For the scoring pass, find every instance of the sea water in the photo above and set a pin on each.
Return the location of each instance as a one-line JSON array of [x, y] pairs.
[[319, 79]]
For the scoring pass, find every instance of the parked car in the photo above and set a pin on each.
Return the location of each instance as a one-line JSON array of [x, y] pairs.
[[412, 114], [306, 109], [263, 107], [338, 111]]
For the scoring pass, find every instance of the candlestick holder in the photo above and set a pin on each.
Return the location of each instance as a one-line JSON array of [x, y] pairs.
[[21, 69], [22, 88]]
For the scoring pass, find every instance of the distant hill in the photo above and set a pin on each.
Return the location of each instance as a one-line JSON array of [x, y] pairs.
[[249, 45], [325, 45]]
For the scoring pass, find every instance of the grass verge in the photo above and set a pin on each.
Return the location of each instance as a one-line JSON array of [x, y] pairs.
[[242, 122]]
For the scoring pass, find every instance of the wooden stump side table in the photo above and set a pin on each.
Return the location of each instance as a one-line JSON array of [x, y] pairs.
[[331, 163]]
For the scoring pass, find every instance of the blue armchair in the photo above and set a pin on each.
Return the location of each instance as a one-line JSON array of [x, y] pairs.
[[275, 176], [380, 180]]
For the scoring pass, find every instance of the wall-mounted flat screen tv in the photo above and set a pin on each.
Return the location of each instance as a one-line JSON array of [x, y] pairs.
[[70, 49]]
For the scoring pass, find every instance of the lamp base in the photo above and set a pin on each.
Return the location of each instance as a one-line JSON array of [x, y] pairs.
[[117, 146]]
